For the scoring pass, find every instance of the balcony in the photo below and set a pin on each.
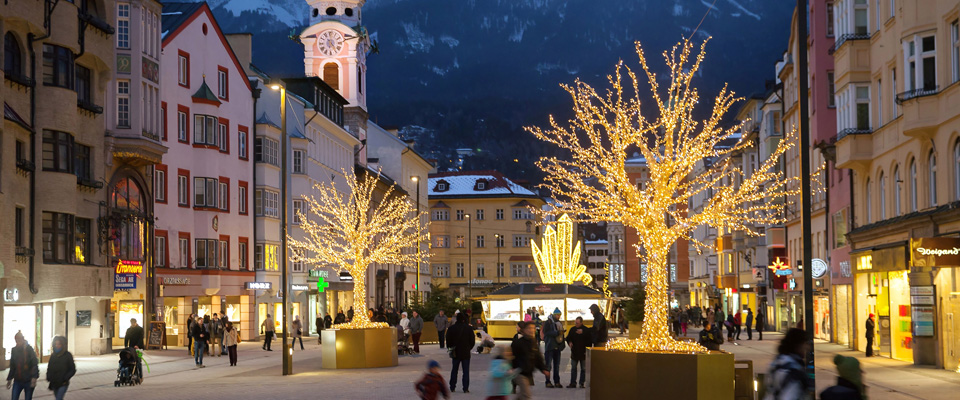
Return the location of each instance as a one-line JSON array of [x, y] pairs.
[[91, 184], [89, 106], [848, 37], [25, 166], [21, 80], [917, 93], [854, 148], [923, 110], [23, 253], [138, 150], [95, 22]]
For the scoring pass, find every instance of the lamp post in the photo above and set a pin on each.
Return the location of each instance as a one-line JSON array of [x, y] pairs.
[[416, 181], [469, 254], [805, 191], [499, 274], [284, 196]]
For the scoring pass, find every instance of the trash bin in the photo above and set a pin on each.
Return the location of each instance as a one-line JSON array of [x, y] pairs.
[[744, 386]]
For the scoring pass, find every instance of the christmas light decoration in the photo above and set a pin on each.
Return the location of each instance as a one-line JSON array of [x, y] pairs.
[[592, 183], [354, 229], [559, 260]]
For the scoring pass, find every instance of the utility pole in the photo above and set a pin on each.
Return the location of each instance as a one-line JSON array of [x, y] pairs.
[[497, 237], [284, 197], [469, 254], [416, 180], [804, 122]]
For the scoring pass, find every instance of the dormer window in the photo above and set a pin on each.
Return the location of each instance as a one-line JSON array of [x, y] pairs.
[[442, 186], [481, 184]]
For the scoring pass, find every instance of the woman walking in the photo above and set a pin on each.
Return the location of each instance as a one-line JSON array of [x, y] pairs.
[[60, 368], [297, 329], [230, 340]]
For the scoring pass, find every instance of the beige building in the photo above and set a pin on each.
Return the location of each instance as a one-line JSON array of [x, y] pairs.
[[481, 227], [55, 277], [897, 74]]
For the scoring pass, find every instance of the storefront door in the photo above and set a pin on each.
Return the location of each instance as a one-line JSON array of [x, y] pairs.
[[22, 319], [841, 308]]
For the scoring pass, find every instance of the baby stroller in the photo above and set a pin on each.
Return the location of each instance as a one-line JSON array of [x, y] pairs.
[[403, 343], [130, 371]]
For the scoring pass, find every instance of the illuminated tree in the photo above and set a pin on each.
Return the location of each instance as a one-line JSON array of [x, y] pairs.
[[559, 260], [354, 229], [592, 183]]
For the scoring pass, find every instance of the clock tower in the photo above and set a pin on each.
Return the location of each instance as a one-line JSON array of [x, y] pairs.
[[335, 48]]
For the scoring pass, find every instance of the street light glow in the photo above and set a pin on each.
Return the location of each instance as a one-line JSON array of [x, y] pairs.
[[275, 86]]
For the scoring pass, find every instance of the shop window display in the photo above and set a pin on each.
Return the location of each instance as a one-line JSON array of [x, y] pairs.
[[125, 311]]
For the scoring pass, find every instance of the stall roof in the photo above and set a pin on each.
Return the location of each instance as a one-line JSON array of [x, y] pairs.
[[545, 288]]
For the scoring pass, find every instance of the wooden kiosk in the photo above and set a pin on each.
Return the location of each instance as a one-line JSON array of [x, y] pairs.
[[505, 307]]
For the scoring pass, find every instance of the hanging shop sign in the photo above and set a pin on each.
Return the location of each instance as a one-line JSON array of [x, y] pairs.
[[818, 268], [259, 285], [124, 281], [780, 268], [297, 286], [935, 252], [175, 281], [922, 295]]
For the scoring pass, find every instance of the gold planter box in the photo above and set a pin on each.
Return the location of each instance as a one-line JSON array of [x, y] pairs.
[[622, 375], [633, 329], [429, 333], [359, 348]]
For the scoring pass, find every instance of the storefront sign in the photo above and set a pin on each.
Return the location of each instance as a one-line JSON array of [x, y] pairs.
[[934, 252], [129, 267], [481, 282], [543, 289], [322, 284], [124, 281], [318, 273], [780, 268], [11, 295], [922, 296], [818, 268], [175, 281], [259, 285], [922, 320], [300, 287], [845, 269]]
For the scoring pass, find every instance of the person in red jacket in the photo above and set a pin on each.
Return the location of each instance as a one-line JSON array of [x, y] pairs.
[[432, 384]]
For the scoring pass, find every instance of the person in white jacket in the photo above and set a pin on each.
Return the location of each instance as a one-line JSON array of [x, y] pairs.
[[405, 323]]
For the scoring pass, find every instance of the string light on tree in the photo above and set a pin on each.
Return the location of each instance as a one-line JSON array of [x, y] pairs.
[[354, 229], [592, 182], [559, 260]]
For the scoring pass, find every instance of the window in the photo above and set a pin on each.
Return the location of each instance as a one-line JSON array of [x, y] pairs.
[[266, 150], [877, 27], [893, 91], [868, 197], [183, 69], [955, 50], [57, 151], [499, 240], [183, 190], [18, 224], [58, 232], [481, 271], [863, 107], [222, 82], [499, 270], [123, 25], [258, 257], [123, 103], [57, 66], [893, 7], [860, 18], [205, 192], [831, 90], [163, 120], [461, 241], [83, 85], [499, 214], [81, 241], [442, 186], [883, 197], [297, 211], [481, 186], [441, 215], [913, 184], [880, 102], [519, 270], [183, 129], [242, 142], [897, 192], [224, 195], [442, 270], [922, 76], [932, 178], [82, 162], [297, 266], [480, 241], [160, 253], [459, 270], [459, 215], [829, 19], [206, 253], [224, 252], [160, 185], [242, 254], [521, 241], [205, 130], [479, 215], [222, 138], [441, 241], [12, 55], [521, 213], [242, 197], [298, 162], [184, 243], [266, 203]]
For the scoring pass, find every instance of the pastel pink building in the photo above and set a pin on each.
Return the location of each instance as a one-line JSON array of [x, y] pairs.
[[204, 226]]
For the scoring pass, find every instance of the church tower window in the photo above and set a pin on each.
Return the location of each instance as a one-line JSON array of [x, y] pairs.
[[331, 75]]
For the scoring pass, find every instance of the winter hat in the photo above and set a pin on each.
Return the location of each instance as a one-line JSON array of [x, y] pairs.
[[557, 310], [849, 368], [871, 315], [433, 364]]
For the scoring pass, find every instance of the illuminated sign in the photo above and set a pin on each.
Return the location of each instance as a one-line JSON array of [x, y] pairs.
[[818, 268], [934, 252], [129, 267], [124, 281], [318, 273], [865, 263], [175, 281], [322, 284], [259, 285], [297, 286], [779, 268]]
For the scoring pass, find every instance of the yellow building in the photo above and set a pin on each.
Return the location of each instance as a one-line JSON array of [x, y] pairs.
[[481, 227], [897, 74]]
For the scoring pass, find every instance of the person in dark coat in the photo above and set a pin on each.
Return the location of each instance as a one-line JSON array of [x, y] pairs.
[[710, 336], [849, 380], [761, 322], [60, 368], [340, 318], [327, 321], [749, 324], [578, 338], [319, 325], [24, 372], [599, 328], [552, 346], [134, 336], [190, 320], [527, 358], [871, 327], [200, 336], [350, 314], [461, 337]]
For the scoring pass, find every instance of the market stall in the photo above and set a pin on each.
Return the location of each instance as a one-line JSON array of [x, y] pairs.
[[505, 307]]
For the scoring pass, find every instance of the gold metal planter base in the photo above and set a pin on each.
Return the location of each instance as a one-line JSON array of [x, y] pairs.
[[359, 348], [621, 375]]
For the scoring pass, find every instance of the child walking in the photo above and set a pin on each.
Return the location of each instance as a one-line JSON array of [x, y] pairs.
[[501, 373], [432, 384]]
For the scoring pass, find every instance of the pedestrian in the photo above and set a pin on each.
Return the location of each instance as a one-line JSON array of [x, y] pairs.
[[786, 379], [684, 320], [432, 384], [134, 335], [60, 368], [526, 359], [216, 336], [486, 342], [319, 325], [207, 323], [230, 340], [710, 336], [460, 340], [553, 345], [340, 318], [729, 323], [223, 332], [749, 323], [296, 331], [501, 373], [190, 320], [621, 320], [720, 318], [441, 322], [404, 323], [761, 321], [350, 314], [416, 329], [737, 322], [599, 328], [871, 326], [578, 338], [267, 329], [849, 380], [327, 321], [200, 336], [24, 371]]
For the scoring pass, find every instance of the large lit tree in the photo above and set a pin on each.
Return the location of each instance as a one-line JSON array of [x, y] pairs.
[[368, 224], [592, 183]]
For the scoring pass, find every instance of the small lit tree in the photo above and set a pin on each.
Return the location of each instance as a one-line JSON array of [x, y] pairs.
[[354, 229], [592, 182]]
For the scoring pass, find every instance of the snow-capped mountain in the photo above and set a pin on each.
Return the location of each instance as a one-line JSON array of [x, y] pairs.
[[472, 73]]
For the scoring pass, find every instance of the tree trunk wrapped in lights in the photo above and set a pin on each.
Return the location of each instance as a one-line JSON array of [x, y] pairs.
[[592, 183], [354, 229]]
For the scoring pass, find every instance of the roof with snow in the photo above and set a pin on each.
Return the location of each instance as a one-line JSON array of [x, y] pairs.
[[176, 14], [474, 184]]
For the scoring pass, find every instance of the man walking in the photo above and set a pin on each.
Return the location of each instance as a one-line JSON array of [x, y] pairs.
[[200, 336], [526, 359], [267, 329], [871, 326], [223, 332], [134, 335], [737, 322], [319, 323], [749, 323], [416, 328], [461, 337], [216, 336], [24, 372], [553, 339], [441, 322], [578, 338], [761, 321]]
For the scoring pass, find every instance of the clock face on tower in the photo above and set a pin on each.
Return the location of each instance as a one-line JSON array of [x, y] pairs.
[[330, 42]]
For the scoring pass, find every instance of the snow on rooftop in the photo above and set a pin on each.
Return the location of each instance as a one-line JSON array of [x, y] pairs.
[[466, 185]]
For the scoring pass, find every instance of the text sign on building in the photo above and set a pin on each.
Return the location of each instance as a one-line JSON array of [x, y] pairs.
[[935, 252], [297, 286], [129, 267], [922, 296], [259, 285], [318, 273], [175, 281], [124, 281], [922, 320], [481, 282]]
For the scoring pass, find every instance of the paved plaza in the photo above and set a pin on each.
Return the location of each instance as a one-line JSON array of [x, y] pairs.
[[173, 376]]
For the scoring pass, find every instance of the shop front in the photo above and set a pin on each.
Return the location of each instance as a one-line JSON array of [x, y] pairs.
[[882, 288], [505, 307], [841, 296], [204, 292], [129, 298], [935, 301], [329, 292]]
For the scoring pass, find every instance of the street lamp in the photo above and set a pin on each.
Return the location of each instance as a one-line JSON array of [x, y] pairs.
[[497, 236], [416, 181], [284, 196]]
